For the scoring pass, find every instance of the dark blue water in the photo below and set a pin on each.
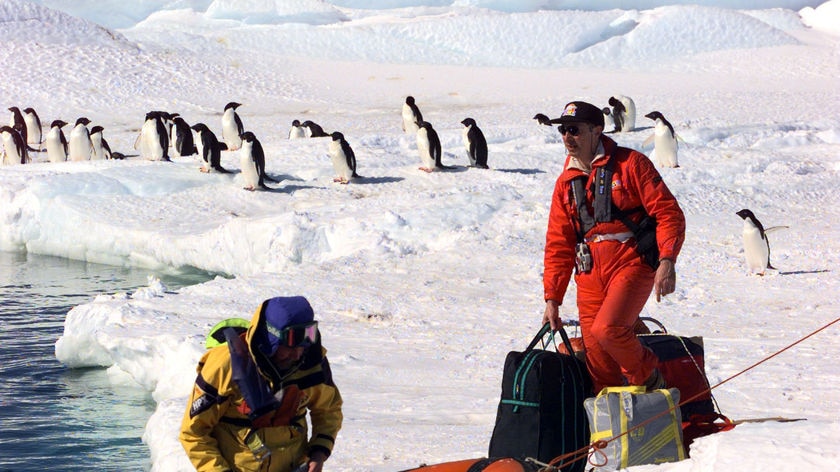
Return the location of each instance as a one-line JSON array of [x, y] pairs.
[[53, 418]]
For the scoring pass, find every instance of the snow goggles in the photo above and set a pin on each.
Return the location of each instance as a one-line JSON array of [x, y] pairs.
[[574, 130], [299, 335]]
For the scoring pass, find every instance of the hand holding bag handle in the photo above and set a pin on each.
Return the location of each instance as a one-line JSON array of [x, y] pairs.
[[543, 331]]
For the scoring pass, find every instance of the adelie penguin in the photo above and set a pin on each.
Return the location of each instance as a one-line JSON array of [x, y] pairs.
[[664, 140], [18, 123], [343, 159], [756, 244], [100, 147], [252, 162], [623, 113], [297, 130], [412, 119], [183, 143], [475, 144], [314, 130], [153, 141], [80, 145], [232, 128], [56, 142], [209, 149], [428, 144], [15, 149], [33, 127]]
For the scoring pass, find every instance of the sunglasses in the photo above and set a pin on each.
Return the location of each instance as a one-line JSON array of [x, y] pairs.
[[574, 130], [299, 335]]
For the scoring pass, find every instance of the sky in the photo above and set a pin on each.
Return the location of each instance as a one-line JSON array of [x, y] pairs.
[[423, 282]]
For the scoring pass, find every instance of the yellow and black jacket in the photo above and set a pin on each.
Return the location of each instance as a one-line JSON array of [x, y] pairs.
[[219, 435]]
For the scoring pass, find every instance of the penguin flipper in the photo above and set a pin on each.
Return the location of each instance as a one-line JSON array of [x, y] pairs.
[[647, 142], [774, 228], [223, 146]]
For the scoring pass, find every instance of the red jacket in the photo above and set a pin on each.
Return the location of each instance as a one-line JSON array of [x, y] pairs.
[[635, 182]]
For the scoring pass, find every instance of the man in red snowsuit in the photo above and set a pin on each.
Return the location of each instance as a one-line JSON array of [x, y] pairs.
[[587, 235]]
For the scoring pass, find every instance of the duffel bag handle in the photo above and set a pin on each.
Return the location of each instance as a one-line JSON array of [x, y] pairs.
[[546, 328]]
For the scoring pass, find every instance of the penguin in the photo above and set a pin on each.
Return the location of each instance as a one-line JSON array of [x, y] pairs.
[[15, 148], [297, 131], [80, 145], [209, 149], [153, 141], [543, 119], [343, 159], [33, 126], [475, 143], [314, 130], [101, 150], [252, 162], [56, 142], [756, 244], [664, 141], [428, 144], [17, 122], [232, 128], [182, 138], [623, 113], [412, 119]]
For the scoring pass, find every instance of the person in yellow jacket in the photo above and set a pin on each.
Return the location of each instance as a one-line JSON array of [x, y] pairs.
[[248, 408]]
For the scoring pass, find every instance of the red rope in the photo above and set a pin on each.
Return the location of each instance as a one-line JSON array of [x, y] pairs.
[[598, 446]]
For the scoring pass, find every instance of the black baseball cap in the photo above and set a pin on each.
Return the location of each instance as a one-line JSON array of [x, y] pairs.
[[581, 111]]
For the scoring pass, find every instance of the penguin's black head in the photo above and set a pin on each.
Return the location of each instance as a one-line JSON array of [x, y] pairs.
[[248, 136], [542, 119], [606, 111], [82, 121], [233, 105], [654, 115], [199, 127], [409, 100], [745, 214], [336, 136], [468, 122], [96, 129], [14, 110], [58, 123], [29, 110], [613, 101], [426, 125], [295, 122]]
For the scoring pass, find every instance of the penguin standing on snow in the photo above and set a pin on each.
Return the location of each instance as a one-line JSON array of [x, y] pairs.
[[101, 150], [412, 119], [232, 128], [297, 131], [475, 143], [252, 162], [33, 126], [182, 138], [343, 159], [14, 145], [80, 146], [153, 141], [664, 140], [18, 123], [314, 130], [623, 113], [209, 149], [756, 244], [428, 144], [56, 142]]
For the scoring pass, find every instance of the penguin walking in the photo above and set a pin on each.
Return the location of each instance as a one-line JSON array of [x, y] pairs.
[[664, 140], [297, 130], [232, 128], [475, 143], [343, 159], [428, 144], [153, 141], [252, 162], [56, 142], [80, 145], [209, 149], [623, 113], [100, 147], [412, 119], [15, 148], [314, 130], [181, 137], [756, 244]]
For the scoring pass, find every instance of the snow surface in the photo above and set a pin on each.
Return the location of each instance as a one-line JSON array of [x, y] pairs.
[[423, 282]]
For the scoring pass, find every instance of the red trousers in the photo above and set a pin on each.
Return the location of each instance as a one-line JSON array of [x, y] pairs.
[[610, 298]]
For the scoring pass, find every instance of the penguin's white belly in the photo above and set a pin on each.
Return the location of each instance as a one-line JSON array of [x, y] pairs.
[[339, 162], [33, 131], [297, 132], [465, 138], [97, 152], [55, 150], [426, 159], [9, 151], [756, 252], [409, 121], [150, 147], [250, 176], [79, 145], [665, 148], [230, 132], [628, 122]]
